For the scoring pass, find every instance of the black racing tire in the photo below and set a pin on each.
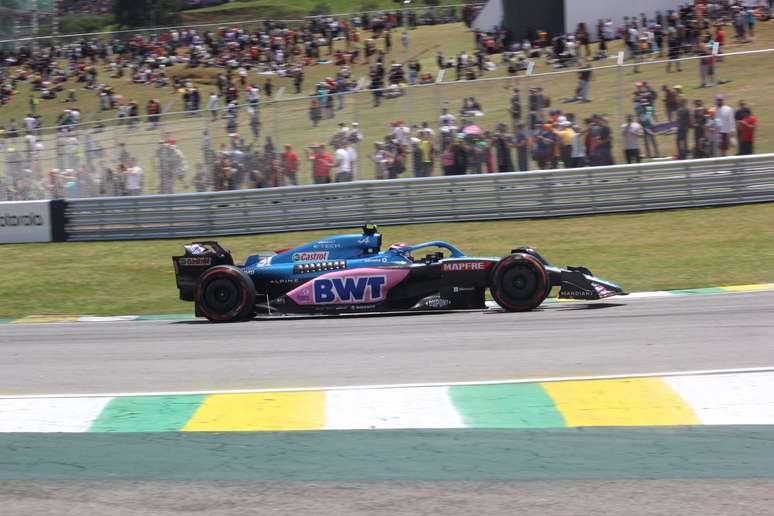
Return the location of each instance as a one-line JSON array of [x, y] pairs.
[[519, 282], [225, 294]]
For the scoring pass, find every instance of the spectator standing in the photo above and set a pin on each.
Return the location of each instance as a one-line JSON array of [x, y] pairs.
[[315, 112], [646, 116], [396, 164], [579, 157], [747, 126], [565, 133], [153, 109], [631, 134], [380, 158], [133, 178], [673, 43], [212, 105], [670, 101], [698, 121], [322, 163], [584, 81], [426, 152], [502, 145], [724, 116], [683, 117], [342, 163], [289, 166], [460, 157]]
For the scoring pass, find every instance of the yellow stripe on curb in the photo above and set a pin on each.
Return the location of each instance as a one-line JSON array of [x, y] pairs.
[[259, 411], [750, 288], [625, 402], [34, 319]]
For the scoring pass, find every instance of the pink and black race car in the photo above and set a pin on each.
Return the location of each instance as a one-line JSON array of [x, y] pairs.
[[350, 274]]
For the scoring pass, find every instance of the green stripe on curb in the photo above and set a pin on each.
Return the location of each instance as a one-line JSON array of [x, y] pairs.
[[697, 291], [147, 414], [506, 406], [3, 321]]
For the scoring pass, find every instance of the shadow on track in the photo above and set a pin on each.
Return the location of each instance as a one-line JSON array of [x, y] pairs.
[[491, 311]]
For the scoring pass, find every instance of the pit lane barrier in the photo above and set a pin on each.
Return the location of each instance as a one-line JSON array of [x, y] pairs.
[[516, 195]]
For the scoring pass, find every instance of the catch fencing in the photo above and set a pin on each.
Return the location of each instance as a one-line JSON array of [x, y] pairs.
[[516, 195]]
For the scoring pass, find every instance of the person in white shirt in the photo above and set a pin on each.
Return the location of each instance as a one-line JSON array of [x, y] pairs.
[[631, 134], [446, 119], [343, 164], [133, 179], [726, 124], [30, 123], [212, 105], [401, 133]]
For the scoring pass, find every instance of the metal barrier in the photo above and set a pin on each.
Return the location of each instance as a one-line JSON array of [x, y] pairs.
[[516, 195]]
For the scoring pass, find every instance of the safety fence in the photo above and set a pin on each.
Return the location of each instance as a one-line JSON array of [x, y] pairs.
[[186, 151], [653, 186]]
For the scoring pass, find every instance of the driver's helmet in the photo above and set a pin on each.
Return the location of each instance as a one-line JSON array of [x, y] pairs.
[[402, 249]]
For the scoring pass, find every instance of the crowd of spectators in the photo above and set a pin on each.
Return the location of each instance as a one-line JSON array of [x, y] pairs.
[[536, 136]]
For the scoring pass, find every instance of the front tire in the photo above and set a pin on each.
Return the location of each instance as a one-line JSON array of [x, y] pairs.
[[519, 283], [225, 294]]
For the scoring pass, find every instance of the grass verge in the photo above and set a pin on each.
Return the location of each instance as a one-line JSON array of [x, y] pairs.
[[647, 251]]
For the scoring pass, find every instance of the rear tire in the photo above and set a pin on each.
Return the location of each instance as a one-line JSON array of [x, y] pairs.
[[519, 283], [225, 294]]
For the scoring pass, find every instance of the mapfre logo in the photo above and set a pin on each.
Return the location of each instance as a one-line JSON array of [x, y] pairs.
[[349, 289], [13, 221], [310, 256], [465, 266]]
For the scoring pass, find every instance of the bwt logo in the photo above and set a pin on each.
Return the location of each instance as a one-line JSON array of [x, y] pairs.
[[359, 289]]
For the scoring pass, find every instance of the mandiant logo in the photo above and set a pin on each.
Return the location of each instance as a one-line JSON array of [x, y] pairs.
[[11, 221]]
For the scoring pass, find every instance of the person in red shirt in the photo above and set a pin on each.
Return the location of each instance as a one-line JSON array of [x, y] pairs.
[[720, 39], [322, 163], [746, 130], [289, 164]]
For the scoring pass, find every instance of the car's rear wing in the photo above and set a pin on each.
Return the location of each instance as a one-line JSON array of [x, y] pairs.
[[198, 257]]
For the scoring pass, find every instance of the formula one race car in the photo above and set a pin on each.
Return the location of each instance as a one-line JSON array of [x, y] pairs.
[[350, 274]]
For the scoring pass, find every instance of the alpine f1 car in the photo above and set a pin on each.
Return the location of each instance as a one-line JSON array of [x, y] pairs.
[[350, 274]]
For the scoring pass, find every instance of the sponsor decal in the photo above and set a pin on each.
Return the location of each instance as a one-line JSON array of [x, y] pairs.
[[12, 221], [326, 244], [197, 260], [28, 221], [577, 294], [601, 290], [463, 289], [437, 302], [310, 256], [349, 289], [465, 266]]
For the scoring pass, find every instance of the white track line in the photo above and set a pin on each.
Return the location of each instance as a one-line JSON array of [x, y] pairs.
[[400, 386]]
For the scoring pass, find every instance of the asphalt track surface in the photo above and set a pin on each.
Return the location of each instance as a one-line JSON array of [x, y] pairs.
[[674, 470], [622, 336]]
